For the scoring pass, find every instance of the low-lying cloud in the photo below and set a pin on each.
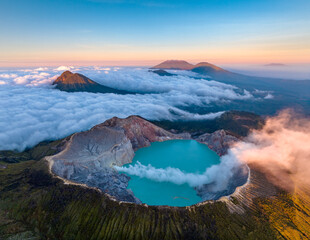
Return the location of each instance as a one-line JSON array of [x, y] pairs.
[[32, 110], [64, 68]]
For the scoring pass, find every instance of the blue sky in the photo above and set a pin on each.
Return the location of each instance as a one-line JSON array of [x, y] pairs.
[[52, 31]]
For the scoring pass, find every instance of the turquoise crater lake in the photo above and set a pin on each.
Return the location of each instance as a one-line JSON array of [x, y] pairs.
[[153, 164]]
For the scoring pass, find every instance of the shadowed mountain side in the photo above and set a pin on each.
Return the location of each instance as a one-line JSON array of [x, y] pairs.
[[209, 66], [75, 82], [161, 72]]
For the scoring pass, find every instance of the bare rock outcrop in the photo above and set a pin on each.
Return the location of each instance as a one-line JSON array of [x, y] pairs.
[[141, 132], [219, 141]]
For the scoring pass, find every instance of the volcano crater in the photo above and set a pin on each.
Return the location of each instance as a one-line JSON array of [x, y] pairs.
[[95, 158]]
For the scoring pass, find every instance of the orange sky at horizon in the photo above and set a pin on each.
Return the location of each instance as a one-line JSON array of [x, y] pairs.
[[79, 60]]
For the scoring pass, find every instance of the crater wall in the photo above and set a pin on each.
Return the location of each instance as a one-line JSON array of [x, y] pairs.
[[88, 157]]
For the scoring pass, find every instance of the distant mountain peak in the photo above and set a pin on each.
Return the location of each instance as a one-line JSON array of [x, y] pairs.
[[183, 65], [68, 77], [275, 65], [75, 82], [174, 64]]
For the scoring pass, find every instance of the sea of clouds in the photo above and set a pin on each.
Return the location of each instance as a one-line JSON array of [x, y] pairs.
[[32, 110]]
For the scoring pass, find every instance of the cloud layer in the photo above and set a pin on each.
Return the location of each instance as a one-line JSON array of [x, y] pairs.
[[31, 110]]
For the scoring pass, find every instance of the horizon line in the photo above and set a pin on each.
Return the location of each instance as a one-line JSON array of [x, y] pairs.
[[137, 63]]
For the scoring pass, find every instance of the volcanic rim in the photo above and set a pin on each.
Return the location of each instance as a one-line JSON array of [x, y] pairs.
[[254, 186], [239, 193]]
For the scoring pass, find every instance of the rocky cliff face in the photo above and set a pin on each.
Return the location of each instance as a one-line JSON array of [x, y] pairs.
[[141, 132], [218, 141], [89, 157]]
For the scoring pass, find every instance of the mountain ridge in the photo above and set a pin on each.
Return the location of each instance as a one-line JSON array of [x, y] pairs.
[[285, 86]]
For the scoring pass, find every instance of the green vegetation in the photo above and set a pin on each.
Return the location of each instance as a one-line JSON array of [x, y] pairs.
[[38, 204], [237, 123], [41, 150], [35, 205]]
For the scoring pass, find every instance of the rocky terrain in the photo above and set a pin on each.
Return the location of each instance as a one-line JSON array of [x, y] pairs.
[[75, 82], [218, 141], [89, 157]]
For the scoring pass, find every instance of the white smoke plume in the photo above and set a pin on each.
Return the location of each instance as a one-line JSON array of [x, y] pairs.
[[281, 150], [218, 175]]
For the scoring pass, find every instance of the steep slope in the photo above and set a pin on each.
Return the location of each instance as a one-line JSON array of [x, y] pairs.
[[174, 64], [75, 82]]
